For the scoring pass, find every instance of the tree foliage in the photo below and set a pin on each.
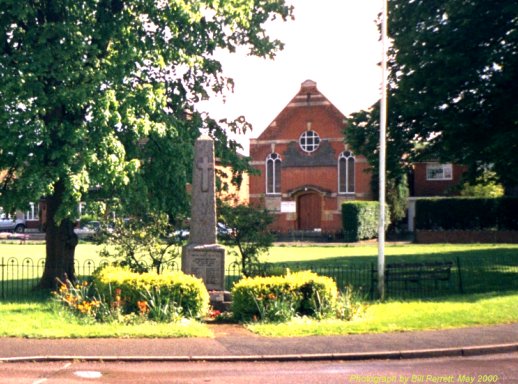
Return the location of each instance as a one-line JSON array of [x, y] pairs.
[[452, 86], [100, 95], [143, 244], [483, 186], [250, 234], [362, 134]]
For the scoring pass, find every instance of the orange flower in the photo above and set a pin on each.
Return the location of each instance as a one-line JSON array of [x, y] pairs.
[[142, 307], [85, 307]]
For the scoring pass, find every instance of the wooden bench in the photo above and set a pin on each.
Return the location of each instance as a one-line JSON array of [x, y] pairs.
[[417, 272]]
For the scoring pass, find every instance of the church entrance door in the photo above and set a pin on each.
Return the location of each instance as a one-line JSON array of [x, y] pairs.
[[309, 208]]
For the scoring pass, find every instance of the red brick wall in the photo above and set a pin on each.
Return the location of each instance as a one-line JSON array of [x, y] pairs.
[[460, 237], [424, 187]]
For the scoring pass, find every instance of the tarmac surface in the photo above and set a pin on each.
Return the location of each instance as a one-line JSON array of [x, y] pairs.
[[233, 342]]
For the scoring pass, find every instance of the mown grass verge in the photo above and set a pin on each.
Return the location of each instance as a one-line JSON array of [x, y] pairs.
[[42, 320], [451, 312], [37, 319]]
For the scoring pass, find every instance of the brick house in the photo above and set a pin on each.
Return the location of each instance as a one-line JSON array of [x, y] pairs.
[[432, 178], [428, 179], [306, 169]]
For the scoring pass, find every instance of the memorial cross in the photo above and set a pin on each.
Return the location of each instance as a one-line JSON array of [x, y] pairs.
[[205, 165]]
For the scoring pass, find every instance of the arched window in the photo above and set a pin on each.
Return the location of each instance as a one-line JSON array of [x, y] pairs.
[[346, 172], [273, 174]]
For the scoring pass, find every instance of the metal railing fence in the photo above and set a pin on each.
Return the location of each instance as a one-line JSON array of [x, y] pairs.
[[19, 278]]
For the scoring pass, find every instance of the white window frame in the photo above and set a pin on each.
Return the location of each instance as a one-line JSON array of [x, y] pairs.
[[276, 161], [349, 157], [311, 136], [438, 172], [32, 213]]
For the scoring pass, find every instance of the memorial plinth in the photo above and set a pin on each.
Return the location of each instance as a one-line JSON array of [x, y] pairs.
[[202, 256], [206, 262]]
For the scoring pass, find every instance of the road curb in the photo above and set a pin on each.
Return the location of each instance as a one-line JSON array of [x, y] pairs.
[[381, 355]]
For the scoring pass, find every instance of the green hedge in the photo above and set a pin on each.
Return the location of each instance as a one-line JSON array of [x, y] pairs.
[[186, 291], [360, 220], [309, 293], [467, 213]]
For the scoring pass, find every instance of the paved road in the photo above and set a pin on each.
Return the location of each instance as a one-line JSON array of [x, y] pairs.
[[233, 340], [499, 368]]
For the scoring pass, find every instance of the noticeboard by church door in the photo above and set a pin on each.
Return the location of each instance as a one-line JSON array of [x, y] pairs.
[[309, 210]]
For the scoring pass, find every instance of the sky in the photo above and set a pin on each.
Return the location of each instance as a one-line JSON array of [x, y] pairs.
[[332, 42]]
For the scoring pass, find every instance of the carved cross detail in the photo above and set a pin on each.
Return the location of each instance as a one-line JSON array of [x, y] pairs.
[[205, 165]]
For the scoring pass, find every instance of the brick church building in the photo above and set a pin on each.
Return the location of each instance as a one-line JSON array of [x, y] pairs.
[[306, 169]]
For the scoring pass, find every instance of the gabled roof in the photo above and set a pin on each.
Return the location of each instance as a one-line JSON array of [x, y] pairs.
[[308, 96]]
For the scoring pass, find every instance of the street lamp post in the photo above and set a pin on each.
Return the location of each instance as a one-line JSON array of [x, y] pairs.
[[382, 153]]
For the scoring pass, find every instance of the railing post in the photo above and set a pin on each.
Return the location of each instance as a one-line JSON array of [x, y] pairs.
[[3, 278], [459, 272], [373, 278]]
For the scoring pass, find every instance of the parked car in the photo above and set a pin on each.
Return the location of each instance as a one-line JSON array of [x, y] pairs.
[[88, 231], [181, 234], [222, 231], [12, 225]]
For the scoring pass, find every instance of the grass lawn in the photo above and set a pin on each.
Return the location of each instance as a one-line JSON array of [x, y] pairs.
[[85, 251], [481, 306], [41, 320], [348, 253], [451, 312], [315, 254]]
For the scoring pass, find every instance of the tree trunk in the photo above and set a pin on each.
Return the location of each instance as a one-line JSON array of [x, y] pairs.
[[61, 242]]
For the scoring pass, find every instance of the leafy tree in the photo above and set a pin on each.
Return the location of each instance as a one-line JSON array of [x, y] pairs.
[[362, 134], [483, 186], [455, 76], [142, 243], [99, 97], [250, 234], [452, 85]]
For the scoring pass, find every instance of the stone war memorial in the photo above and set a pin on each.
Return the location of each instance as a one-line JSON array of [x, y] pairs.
[[202, 256]]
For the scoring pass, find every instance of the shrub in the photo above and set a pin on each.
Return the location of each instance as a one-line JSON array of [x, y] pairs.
[[249, 237], [176, 293], [467, 213], [349, 304], [278, 298], [143, 243], [360, 220]]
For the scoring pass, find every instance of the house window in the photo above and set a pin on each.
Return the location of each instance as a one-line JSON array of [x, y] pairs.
[[273, 174], [32, 213], [309, 141], [439, 172], [346, 172]]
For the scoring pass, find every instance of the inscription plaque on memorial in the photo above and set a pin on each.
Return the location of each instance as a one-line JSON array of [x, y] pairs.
[[207, 263]]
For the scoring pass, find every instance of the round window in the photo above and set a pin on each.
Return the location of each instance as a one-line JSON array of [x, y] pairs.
[[309, 141]]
